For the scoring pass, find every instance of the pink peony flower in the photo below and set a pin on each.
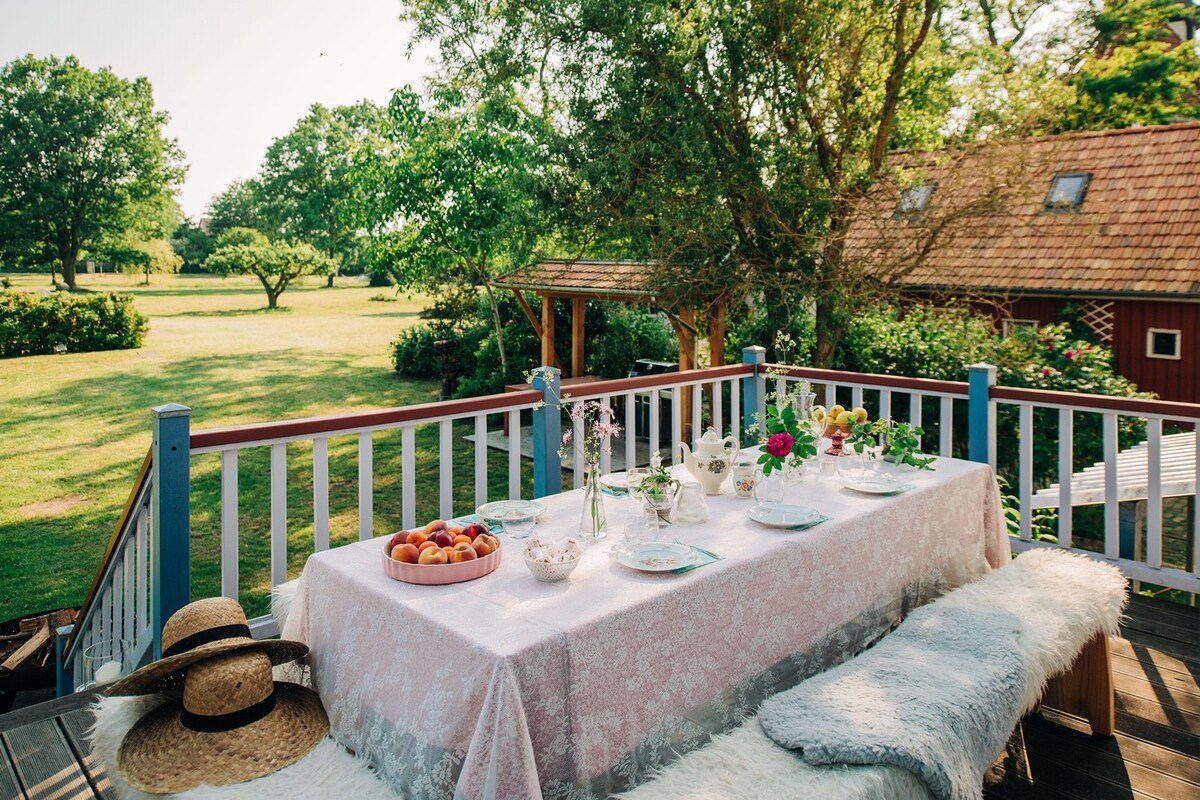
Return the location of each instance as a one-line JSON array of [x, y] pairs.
[[780, 444]]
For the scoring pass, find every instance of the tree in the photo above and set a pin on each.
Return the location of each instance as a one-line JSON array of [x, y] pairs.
[[1135, 70], [192, 244], [735, 140], [244, 251], [306, 184], [453, 196], [78, 151], [240, 206]]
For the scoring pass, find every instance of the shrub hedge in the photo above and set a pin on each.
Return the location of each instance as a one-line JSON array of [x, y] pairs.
[[32, 324]]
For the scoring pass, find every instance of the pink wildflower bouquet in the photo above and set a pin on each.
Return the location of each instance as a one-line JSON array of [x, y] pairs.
[[598, 429]]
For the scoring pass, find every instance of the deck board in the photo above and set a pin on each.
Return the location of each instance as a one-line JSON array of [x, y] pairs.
[[1155, 754]]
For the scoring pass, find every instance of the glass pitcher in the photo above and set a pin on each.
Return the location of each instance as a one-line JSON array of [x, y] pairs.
[[690, 504]]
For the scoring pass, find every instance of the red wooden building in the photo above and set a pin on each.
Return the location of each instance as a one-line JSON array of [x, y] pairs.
[[1106, 221]]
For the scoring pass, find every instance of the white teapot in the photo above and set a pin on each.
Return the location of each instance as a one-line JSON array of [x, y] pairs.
[[712, 461]]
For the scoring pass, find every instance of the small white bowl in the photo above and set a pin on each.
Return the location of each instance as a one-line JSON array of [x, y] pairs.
[[551, 571]]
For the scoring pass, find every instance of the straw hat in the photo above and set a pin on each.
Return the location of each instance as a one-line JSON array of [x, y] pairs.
[[234, 723], [198, 631]]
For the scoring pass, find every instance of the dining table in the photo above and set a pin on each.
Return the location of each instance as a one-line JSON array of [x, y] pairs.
[[507, 687]]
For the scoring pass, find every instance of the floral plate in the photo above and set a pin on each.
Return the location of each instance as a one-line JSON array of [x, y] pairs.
[[656, 556]]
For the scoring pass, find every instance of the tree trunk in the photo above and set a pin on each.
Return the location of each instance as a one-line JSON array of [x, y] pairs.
[[68, 257], [272, 298], [499, 328], [829, 331]]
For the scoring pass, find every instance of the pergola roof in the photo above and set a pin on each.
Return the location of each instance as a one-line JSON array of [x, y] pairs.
[[595, 280]]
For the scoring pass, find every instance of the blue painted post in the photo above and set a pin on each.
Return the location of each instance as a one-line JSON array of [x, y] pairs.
[[1128, 514], [64, 673], [170, 517], [753, 398], [547, 433], [981, 414]]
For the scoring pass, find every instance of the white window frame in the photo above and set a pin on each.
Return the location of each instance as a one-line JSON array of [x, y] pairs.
[[1008, 325], [1178, 343]]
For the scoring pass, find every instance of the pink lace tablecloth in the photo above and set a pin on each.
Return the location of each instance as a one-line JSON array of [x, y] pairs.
[[505, 687]]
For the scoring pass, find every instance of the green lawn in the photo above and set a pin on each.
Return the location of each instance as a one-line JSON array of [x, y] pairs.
[[74, 427]]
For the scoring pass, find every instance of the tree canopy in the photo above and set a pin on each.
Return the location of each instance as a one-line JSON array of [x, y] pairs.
[[244, 251], [79, 150]]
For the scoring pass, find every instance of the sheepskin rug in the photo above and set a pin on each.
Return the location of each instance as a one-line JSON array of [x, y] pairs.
[[1061, 601], [328, 772]]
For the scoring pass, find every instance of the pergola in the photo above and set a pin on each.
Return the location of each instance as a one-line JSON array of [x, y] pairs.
[[617, 281]]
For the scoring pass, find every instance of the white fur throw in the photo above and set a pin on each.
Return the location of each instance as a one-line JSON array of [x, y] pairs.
[[328, 772], [1059, 600]]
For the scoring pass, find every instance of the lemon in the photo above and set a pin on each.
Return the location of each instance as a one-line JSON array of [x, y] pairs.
[[836, 411], [845, 418], [861, 413]]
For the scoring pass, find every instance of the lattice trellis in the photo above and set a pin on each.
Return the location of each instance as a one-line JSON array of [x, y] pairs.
[[1100, 317]]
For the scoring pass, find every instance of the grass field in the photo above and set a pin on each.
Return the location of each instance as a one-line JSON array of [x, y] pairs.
[[74, 427]]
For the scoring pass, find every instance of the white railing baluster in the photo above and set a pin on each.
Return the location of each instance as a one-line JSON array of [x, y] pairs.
[[735, 409], [697, 415], [914, 411], [229, 523], [676, 425], [577, 434], [408, 475], [1112, 513], [885, 404], [1025, 472], [780, 388], [606, 446], [118, 602], [630, 432], [830, 395], [1154, 500], [105, 628], [320, 494], [143, 574], [366, 486], [856, 397], [653, 402], [128, 555], [1066, 471], [718, 403], [1196, 509], [946, 427], [278, 514], [481, 460], [446, 473], [514, 455]]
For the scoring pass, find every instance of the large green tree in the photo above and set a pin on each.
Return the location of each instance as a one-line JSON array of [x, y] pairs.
[[734, 140], [453, 196], [306, 179], [79, 150]]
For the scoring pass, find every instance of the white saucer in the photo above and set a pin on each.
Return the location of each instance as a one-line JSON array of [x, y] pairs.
[[875, 484], [784, 515]]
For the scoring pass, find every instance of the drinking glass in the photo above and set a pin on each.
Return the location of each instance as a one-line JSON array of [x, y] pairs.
[[518, 520], [103, 663]]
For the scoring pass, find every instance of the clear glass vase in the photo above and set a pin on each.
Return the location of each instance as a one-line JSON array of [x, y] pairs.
[[593, 526]]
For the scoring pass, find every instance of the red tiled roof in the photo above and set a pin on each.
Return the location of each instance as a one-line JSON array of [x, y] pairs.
[[601, 279], [1137, 231]]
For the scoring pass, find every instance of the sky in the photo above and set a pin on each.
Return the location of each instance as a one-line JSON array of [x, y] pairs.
[[232, 74]]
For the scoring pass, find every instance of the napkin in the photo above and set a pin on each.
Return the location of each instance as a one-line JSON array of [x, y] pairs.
[[812, 524], [703, 559]]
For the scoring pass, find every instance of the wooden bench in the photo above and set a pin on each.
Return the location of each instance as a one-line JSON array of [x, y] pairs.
[[1068, 605]]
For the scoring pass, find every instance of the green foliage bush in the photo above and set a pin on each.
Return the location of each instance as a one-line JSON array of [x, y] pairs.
[[616, 336], [918, 341], [31, 324]]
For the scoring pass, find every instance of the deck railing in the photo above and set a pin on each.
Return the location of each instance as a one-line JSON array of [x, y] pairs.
[[146, 574]]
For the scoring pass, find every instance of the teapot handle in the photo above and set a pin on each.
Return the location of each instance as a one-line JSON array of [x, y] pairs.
[[736, 447]]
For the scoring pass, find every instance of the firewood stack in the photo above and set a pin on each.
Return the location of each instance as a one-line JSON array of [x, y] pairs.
[[33, 643]]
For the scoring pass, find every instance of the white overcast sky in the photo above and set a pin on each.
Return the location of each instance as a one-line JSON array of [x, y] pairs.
[[233, 74]]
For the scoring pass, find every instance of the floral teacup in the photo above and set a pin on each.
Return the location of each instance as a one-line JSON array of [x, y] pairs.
[[745, 476]]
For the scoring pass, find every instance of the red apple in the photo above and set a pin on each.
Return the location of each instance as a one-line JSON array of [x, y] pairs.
[[407, 553], [462, 551], [433, 555]]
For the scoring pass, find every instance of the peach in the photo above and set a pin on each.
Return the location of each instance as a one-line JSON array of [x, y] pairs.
[[433, 555], [447, 551], [492, 541], [442, 538], [463, 551], [423, 546], [454, 530], [435, 526], [481, 547], [461, 538], [399, 537], [407, 553], [416, 537]]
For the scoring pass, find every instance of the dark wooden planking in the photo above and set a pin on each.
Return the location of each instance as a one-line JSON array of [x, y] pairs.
[[1176, 682], [1178, 631], [1142, 606], [75, 725], [1145, 649], [1154, 711], [9, 787], [1138, 751], [40, 711], [45, 764], [1139, 686]]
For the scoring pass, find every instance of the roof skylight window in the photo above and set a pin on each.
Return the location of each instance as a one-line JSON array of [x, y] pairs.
[[1067, 191], [914, 200]]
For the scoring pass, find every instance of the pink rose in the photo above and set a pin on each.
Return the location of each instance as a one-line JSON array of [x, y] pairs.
[[780, 444]]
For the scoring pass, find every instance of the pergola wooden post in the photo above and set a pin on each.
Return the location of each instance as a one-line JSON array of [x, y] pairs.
[[547, 332], [577, 317]]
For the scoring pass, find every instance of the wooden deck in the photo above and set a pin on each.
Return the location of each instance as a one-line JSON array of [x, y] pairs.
[[1155, 754]]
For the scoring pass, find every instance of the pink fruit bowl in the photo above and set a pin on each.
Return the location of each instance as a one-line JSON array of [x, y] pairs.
[[439, 574]]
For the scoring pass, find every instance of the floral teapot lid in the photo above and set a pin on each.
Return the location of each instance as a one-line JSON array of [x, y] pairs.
[[710, 444]]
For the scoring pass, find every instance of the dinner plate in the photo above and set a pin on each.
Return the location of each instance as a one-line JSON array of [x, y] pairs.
[[657, 556], [875, 484], [615, 481], [490, 512], [784, 515]]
